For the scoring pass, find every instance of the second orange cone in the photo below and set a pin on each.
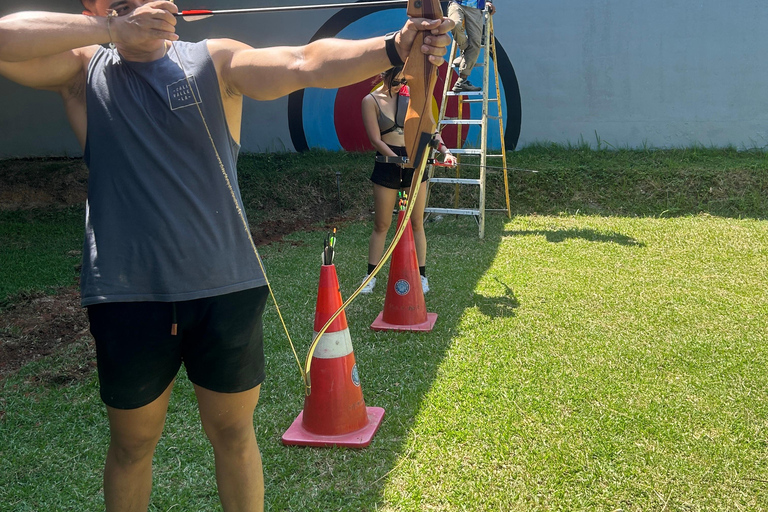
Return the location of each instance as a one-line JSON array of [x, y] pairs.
[[404, 306]]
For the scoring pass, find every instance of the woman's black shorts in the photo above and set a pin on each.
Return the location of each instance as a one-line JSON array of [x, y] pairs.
[[392, 175]]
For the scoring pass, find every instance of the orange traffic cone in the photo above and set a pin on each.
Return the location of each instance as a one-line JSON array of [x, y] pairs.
[[404, 307], [334, 411]]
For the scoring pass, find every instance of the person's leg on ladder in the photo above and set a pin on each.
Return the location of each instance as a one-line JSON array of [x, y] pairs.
[[473, 20], [456, 13]]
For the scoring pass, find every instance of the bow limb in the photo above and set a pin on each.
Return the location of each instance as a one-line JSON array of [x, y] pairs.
[[421, 74], [419, 128]]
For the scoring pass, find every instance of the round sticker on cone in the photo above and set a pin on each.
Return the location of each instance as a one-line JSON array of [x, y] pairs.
[[402, 287]]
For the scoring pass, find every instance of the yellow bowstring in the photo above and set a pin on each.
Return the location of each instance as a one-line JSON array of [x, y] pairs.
[[240, 214]]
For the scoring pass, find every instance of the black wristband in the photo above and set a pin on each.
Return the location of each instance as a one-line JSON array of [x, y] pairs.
[[389, 44]]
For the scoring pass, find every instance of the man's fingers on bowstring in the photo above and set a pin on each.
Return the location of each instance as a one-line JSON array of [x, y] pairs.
[[158, 11], [156, 20], [164, 34], [164, 5], [164, 11]]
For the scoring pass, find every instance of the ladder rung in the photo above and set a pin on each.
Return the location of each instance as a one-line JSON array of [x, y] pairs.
[[478, 64], [472, 101], [473, 151], [458, 181], [461, 121], [453, 211], [475, 93]]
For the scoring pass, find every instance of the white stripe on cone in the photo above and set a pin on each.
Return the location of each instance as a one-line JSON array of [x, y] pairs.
[[334, 344]]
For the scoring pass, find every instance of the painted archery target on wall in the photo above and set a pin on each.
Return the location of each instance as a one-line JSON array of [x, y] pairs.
[[332, 118]]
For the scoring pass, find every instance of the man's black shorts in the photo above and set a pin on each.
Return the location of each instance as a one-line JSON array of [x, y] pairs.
[[392, 175], [219, 340]]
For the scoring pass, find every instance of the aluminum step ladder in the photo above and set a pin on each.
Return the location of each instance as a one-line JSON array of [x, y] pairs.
[[487, 55]]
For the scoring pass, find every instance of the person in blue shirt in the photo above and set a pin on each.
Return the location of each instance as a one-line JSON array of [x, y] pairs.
[[468, 33]]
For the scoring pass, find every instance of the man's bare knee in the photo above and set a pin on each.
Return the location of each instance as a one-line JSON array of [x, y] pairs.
[[132, 449], [230, 438]]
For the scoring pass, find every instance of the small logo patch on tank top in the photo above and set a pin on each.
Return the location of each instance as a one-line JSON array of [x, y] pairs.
[[180, 95]]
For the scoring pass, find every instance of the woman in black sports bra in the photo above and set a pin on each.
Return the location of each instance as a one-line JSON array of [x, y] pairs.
[[383, 116]]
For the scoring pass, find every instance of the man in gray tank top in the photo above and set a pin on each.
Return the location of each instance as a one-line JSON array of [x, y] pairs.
[[170, 274]]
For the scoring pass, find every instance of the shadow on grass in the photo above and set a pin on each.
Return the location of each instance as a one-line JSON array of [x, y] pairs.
[[397, 369], [560, 235], [498, 307]]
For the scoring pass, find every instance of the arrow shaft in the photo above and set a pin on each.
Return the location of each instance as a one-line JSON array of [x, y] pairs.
[[347, 5]]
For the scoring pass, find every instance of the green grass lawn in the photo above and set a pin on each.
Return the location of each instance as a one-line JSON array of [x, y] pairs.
[[39, 250], [580, 361]]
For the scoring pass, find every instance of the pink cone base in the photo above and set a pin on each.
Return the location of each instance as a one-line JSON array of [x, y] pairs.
[[380, 325], [297, 435]]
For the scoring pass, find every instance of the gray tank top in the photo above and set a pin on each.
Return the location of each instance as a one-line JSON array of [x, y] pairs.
[[160, 221]]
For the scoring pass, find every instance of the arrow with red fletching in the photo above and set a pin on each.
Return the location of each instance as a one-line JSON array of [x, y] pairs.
[[200, 14]]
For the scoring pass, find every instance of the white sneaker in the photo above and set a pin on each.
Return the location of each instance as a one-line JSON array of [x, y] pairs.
[[424, 284], [369, 287]]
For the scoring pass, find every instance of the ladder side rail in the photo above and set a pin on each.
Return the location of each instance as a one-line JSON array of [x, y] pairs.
[[484, 117], [492, 39], [443, 107]]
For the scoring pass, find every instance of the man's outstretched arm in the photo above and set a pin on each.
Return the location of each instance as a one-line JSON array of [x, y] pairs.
[[45, 50], [270, 73]]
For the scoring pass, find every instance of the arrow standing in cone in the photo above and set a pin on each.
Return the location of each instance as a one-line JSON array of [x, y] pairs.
[[157, 134], [334, 412]]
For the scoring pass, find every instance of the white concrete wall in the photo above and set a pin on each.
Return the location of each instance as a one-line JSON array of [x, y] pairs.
[[637, 73]]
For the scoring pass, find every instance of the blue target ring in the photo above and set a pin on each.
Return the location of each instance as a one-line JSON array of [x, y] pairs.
[[317, 116]]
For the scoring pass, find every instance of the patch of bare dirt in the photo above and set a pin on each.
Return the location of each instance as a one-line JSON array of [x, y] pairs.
[[37, 326], [35, 183]]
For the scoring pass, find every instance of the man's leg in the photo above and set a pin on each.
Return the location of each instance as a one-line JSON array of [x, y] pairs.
[[473, 22], [228, 422], [456, 13], [134, 433]]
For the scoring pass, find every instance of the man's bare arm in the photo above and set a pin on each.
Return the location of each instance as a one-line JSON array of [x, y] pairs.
[[31, 35], [270, 73], [44, 50], [47, 50]]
